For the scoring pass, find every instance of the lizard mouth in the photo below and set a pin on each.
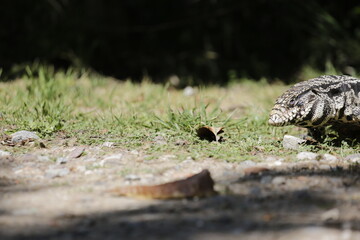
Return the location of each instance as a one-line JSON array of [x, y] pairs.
[[276, 120]]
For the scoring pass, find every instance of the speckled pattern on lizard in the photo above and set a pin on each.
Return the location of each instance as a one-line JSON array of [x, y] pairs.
[[327, 100]]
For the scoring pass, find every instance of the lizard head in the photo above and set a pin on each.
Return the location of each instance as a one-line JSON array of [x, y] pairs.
[[294, 107]]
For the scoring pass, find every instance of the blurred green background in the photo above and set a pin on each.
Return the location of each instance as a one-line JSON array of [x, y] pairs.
[[196, 40]]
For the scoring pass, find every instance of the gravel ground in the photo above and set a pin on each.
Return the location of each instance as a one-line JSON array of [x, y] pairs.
[[59, 192]]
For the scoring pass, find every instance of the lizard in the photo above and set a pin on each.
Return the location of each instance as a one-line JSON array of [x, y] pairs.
[[328, 100]]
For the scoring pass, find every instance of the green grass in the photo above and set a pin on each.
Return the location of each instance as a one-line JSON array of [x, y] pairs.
[[94, 109]]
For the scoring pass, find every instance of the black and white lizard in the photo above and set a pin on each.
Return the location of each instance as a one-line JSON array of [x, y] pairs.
[[327, 100]]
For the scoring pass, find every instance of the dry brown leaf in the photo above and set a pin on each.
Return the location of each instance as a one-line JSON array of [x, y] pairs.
[[210, 133], [198, 185], [6, 140]]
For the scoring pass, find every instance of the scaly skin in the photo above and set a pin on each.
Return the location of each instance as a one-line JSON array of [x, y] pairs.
[[319, 102]]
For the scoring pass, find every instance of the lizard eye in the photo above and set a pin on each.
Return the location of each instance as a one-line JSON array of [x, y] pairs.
[[292, 103]]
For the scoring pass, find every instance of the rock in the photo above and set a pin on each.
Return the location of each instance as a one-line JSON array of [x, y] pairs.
[[77, 152], [160, 140], [44, 158], [24, 211], [28, 157], [134, 152], [181, 142], [247, 163], [132, 177], [189, 91], [57, 172], [307, 156], [330, 215], [112, 161], [4, 153], [174, 80], [325, 167], [291, 142], [20, 136], [61, 160], [80, 168], [90, 159], [187, 161], [328, 158], [117, 156], [167, 157], [255, 191], [276, 163], [278, 180], [316, 232], [266, 180], [88, 172], [271, 159], [354, 158], [108, 144]]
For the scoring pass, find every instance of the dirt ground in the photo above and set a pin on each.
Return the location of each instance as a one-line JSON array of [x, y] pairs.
[[50, 193]]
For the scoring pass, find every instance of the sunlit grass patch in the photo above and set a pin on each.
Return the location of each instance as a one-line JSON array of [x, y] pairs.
[[94, 109]]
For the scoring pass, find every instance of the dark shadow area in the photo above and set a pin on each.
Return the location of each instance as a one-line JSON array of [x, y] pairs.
[[199, 41], [266, 211]]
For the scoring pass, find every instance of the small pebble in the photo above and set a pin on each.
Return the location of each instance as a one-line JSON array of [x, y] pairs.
[[266, 180], [247, 163], [44, 158], [278, 163], [187, 161], [255, 191], [353, 158], [76, 153], [80, 168], [24, 211], [108, 144], [189, 91], [61, 160], [160, 140], [279, 180], [328, 158], [118, 156], [134, 152], [57, 172], [306, 156], [28, 157], [132, 177], [90, 159], [181, 142], [325, 167], [20, 136], [167, 157], [271, 159], [291, 142], [103, 162], [174, 80], [19, 171], [331, 215], [4, 153]]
